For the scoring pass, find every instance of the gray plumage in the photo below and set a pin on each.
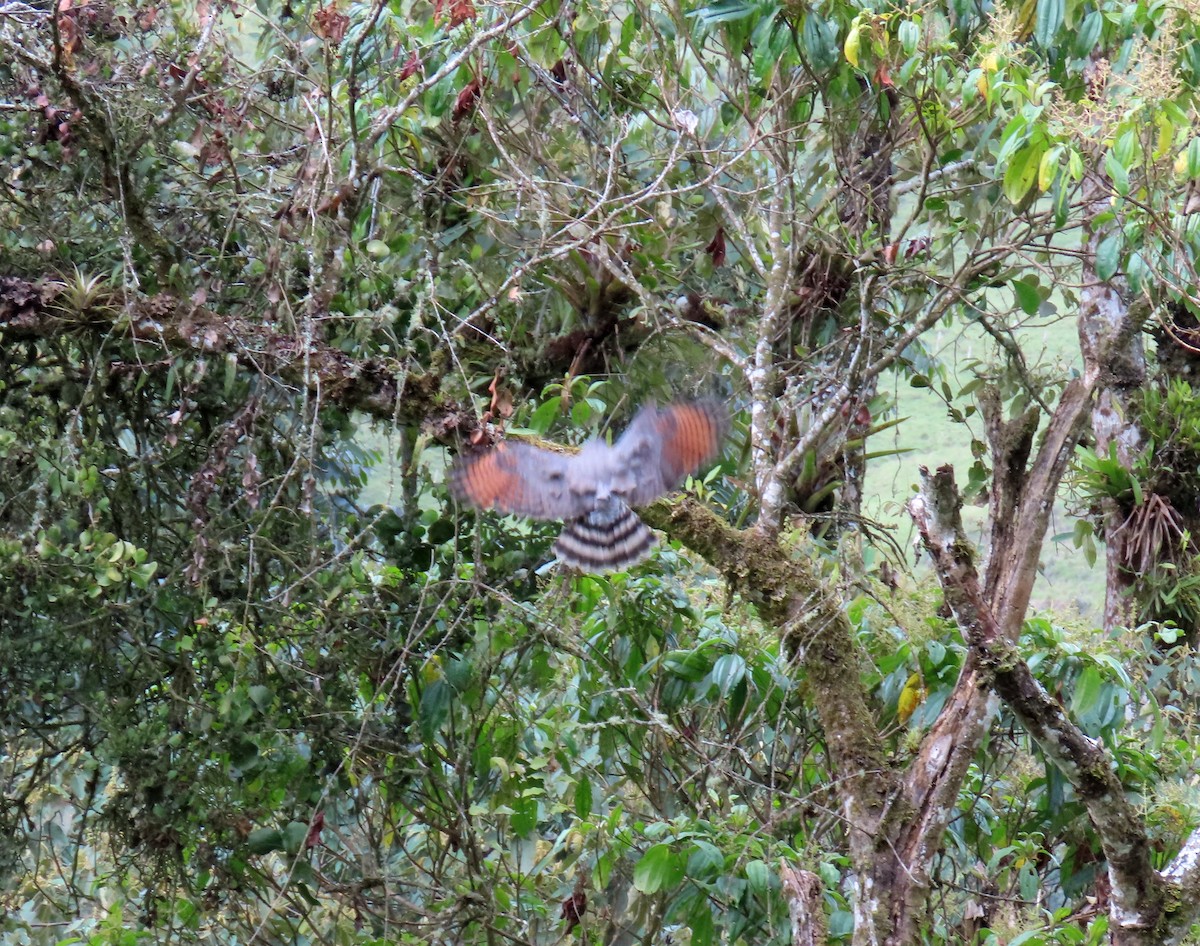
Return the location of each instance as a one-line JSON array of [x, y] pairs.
[[594, 490]]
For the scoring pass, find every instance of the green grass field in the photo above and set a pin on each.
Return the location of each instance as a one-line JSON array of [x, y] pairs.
[[1066, 583]]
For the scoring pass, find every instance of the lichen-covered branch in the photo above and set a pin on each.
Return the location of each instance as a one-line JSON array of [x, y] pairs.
[[1137, 893], [1022, 499], [804, 893], [386, 390], [1183, 877]]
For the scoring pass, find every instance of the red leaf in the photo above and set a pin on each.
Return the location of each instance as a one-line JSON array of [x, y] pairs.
[[918, 245], [466, 99], [459, 11], [330, 25], [411, 66], [716, 247], [314, 830], [573, 908]]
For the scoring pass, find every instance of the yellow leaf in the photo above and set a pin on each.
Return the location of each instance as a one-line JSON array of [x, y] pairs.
[[1166, 134], [431, 670], [1048, 168], [912, 696], [1181, 163], [852, 45]]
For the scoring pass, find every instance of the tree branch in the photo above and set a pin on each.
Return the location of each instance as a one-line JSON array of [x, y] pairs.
[[791, 596], [388, 390], [803, 890], [1137, 893], [1022, 501]]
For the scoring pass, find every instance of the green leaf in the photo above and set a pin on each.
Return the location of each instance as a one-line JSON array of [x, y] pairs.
[[1108, 254], [1088, 34], [583, 797], [260, 696], [1028, 296], [1050, 15], [705, 862], [1136, 271], [759, 876], [525, 816], [1022, 172], [1125, 148], [936, 652], [141, 575], [545, 415], [1075, 165], [433, 708], [1087, 691], [1028, 882], [294, 836], [691, 665], [727, 672], [1117, 173], [737, 699], [724, 11], [1115, 667], [659, 869], [820, 42], [1048, 167], [1012, 138], [439, 531], [264, 841], [701, 924], [602, 871], [909, 35]]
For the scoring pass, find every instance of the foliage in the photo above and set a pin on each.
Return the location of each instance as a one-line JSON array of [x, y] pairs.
[[241, 702], [1148, 493]]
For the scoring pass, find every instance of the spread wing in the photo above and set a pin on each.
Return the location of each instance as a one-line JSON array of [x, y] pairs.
[[662, 446], [515, 477]]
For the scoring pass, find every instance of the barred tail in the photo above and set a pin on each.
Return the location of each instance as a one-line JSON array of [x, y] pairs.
[[605, 540]]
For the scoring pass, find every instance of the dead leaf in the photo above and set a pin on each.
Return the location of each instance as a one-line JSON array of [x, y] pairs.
[[574, 907], [314, 830], [459, 11], [331, 25], [716, 247], [466, 99], [411, 65]]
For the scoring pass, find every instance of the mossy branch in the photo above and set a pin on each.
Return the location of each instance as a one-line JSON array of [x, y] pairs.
[[791, 596]]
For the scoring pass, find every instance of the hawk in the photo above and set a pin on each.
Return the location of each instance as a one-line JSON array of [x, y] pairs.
[[593, 490]]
